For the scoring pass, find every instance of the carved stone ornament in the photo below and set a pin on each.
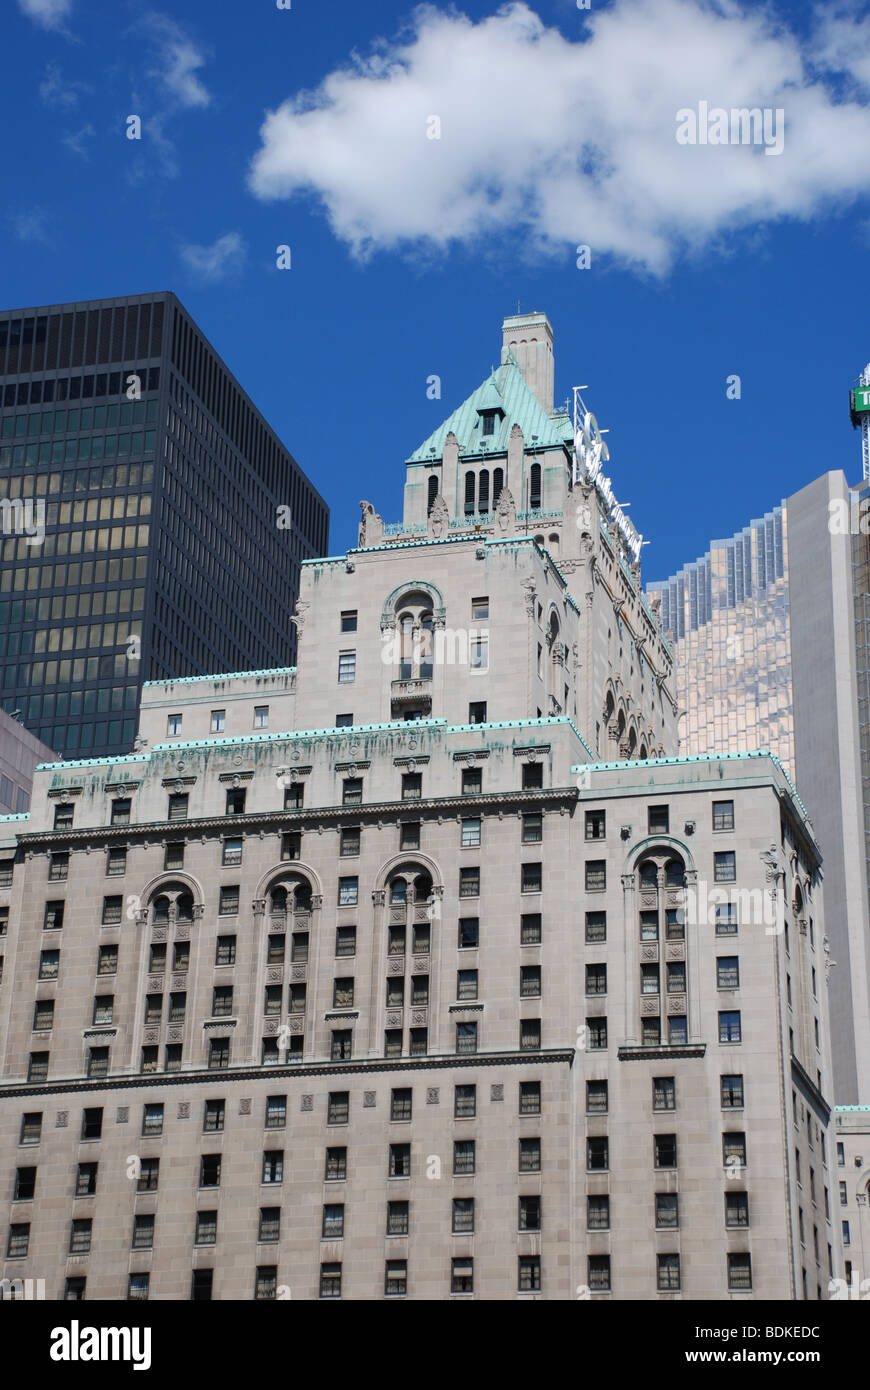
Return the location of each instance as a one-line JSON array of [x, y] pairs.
[[245, 1106], [307, 1103], [296, 1025], [182, 931], [273, 974], [396, 965], [300, 615], [368, 1099], [496, 1091], [122, 1114], [677, 1004], [433, 1095], [649, 1006], [439, 518], [371, 526], [505, 513], [158, 934], [184, 1110], [394, 1020], [175, 1034], [61, 1119]]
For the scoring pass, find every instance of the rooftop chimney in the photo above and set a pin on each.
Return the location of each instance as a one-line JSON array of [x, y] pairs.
[[529, 338]]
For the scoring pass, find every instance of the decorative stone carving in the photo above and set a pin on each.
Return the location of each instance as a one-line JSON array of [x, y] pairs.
[[316, 902], [649, 1006], [394, 1020], [183, 1111], [300, 614], [378, 897], [438, 522], [155, 982], [421, 965], [175, 1034], [270, 1026], [649, 953], [396, 965], [151, 1035], [182, 931], [258, 906], [433, 1095], [531, 595], [158, 934], [307, 1103], [368, 1099], [245, 1106], [677, 1004], [505, 514], [122, 1114], [419, 1017], [296, 1025], [496, 1091], [274, 974], [371, 526], [179, 981]]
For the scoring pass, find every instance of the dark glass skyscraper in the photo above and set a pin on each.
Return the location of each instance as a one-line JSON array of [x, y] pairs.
[[152, 523]]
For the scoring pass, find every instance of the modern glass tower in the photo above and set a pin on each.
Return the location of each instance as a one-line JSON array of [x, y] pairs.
[[152, 522]]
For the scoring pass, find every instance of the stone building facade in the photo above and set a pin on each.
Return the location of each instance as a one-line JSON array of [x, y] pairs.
[[393, 975]]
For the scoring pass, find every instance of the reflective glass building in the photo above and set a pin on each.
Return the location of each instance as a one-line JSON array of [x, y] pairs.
[[152, 523]]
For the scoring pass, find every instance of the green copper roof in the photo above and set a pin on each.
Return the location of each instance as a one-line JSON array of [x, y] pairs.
[[505, 390]]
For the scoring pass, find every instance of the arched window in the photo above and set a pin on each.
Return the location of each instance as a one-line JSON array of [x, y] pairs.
[[278, 901], [184, 907], [422, 888], [469, 494], [425, 644], [553, 543], [675, 874], [432, 492], [497, 484], [398, 892], [415, 624], [632, 742], [406, 641], [649, 874], [535, 486], [643, 752], [160, 912], [483, 491]]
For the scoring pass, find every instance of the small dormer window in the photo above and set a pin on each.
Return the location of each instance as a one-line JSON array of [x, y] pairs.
[[487, 422]]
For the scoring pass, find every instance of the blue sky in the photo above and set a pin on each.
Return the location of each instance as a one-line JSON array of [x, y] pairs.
[[407, 251]]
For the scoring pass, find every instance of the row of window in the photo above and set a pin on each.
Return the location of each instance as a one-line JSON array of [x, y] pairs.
[[658, 820], [87, 417], [275, 1112], [266, 1286]]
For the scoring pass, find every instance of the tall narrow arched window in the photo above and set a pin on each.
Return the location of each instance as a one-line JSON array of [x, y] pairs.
[[432, 493], [426, 647], [497, 484], [553, 543], [406, 637], [483, 491], [469, 494], [535, 486]]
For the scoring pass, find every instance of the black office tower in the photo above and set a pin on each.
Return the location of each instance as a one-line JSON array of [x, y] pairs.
[[152, 523]]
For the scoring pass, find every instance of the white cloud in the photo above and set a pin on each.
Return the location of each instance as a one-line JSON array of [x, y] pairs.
[[50, 14], [31, 225], [555, 141], [177, 61], [75, 140], [55, 90], [217, 261]]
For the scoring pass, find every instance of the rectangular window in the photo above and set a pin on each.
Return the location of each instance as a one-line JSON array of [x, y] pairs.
[[664, 1093], [336, 1165], [412, 786], [739, 1271], [469, 882], [658, 820], [725, 866], [477, 712], [409, 835], [173, 725], [595, 825], [400, 1161], [677, 1030], [596, 979], [530, 929], [723, 815], [466, 1038], [43, 1015], [530, 981], [598, 1273], [533, 828], [737, 1210], [143, 1232], [469, 933], [676, 977], [49, 965], [213, 1116], [294, 796], [351, 791], [531, 878], [727, 972], [64, 815], [222, 1001], [338, 1109], [104, 1005], [470, 831], [596, 1034], [596, 875], [349, 841], [348, 892], [219, 1054], [112, 910], [464, 1102], [472, 781], [726, 919], [346, 667], [596, 1097], [597, 1153], [675, 924], [25, 1184], [664, 1151], [478, 648], [291, 845], [235, 802], [178, 805], [529, 1213], [261, 716], [206, 1228], [532, 776], [149, 1175], [734, 1149], [225, 953], [596, 927], [18, 1242], [398, 1217], [530, 1156], [530, 1098], [667, 1211], [732, 1092], [729, 1026], [466, 984], [269, 1229], [218, 721], [276, 1112], [173, 855], [58, 868], [462, 1276], [232, 852], [667, 1273], [464, 1157], [349, 620]]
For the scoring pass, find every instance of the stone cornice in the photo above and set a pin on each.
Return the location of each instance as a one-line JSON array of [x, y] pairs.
[[362, 1067], [810, 1091], [635, 1052], [256, 821]]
